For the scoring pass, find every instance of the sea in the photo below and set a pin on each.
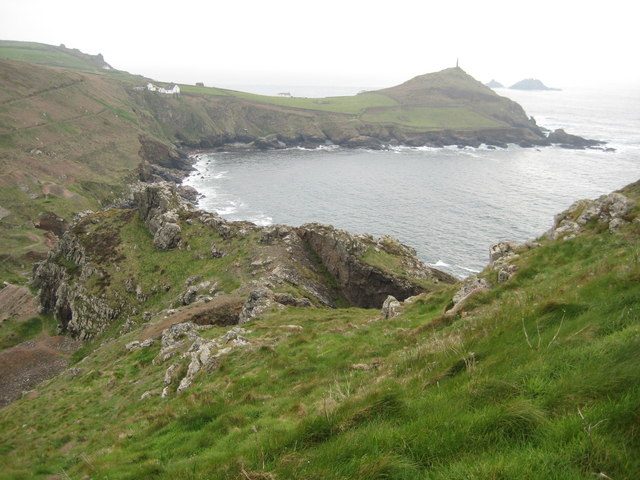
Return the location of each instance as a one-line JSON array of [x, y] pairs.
[[450, 204]]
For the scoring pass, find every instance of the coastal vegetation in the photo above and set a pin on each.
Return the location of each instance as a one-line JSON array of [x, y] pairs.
[[177, 344], [534, 378]]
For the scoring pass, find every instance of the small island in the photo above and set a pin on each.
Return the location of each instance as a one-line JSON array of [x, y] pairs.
[[530, 84], [494, 84]]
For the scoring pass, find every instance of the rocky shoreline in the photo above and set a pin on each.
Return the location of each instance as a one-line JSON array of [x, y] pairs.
[[498, 138]]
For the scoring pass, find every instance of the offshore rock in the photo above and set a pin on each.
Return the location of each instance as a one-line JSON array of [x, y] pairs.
[[566, 140]]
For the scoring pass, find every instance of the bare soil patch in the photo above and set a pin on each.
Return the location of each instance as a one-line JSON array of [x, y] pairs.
[[17, 303], [26, 365]]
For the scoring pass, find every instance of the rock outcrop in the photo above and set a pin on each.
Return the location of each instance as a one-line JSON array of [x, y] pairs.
[[610, 209], [184, 341], [391, 308], [86, 282], [62, 292], [470, 286], [159, 206], [363, 284]]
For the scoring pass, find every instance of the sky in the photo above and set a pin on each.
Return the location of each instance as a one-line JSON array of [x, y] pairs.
[[341, 42]]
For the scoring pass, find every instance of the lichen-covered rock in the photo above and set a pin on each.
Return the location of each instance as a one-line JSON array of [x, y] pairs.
[[470, 285], [506, 272], [201, 353], [137, 344], [159, 206], [216, 252], [62, 294], [501, 250], [167, 236], [391, 308], [259, 300], [609, 209]]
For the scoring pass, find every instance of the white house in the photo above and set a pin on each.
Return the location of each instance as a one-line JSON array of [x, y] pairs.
[[170, 89]]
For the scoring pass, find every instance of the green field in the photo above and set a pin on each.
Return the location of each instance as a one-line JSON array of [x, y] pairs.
[[352, 105], [431, 118]]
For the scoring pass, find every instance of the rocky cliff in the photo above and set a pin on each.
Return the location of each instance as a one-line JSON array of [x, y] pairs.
[[123, 265]]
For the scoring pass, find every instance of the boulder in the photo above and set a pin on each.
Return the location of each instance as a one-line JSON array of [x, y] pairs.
[[501, 250], [391, 308], [259, 300], [470, 285], [611, 209]]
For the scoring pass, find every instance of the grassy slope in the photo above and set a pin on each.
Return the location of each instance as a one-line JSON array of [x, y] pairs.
[[67, 142], [537, 378]]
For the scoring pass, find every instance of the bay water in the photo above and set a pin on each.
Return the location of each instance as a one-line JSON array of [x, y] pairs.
[[449, 204]]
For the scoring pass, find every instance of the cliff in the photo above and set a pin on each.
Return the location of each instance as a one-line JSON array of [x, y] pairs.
[[114, 265]]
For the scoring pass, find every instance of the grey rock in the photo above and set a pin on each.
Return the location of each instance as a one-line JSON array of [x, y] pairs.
[[259, 300], [501, 250], [470, 285], [167, 236], [391, 308], [609, 209], [216, 252]]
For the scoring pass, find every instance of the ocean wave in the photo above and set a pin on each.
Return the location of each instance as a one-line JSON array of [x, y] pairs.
[[466, 269], [322, 148], [262, 220], [439, 263], [230, 208]]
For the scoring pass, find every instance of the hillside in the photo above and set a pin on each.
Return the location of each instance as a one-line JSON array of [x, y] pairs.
[[175, 344], [68, 142], [529, 372]]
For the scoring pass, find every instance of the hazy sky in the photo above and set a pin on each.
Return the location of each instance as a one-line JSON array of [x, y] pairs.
[[341, 42]]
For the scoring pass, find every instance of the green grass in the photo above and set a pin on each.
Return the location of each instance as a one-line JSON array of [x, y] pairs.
[[431, 118], [537, 379], [46, 55], [351, 105], [13, 332]]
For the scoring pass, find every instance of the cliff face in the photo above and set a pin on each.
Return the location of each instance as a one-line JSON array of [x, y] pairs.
[[62, 292], [123, 265], [444, 108], [363, 284]]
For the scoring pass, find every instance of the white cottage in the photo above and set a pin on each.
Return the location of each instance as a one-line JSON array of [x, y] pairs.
[[170, 89]]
